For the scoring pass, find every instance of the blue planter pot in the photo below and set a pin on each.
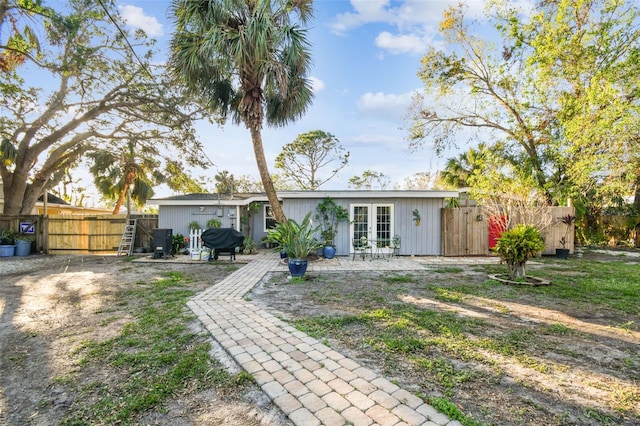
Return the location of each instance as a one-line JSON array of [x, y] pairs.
[[329, 252], [7, 250], [297, 267], [23, 248], [283, 255]]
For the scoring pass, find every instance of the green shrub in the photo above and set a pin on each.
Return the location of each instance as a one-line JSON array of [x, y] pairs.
[[249, 246], [516, 246], [178, 241]]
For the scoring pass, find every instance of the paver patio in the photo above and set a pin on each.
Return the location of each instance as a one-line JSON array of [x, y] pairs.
[[310, 382]]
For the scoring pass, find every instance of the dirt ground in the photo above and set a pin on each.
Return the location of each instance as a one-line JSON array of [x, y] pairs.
[[51, 304], [576, 375]]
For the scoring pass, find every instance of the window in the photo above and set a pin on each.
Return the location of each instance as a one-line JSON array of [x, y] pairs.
[[269, 218]]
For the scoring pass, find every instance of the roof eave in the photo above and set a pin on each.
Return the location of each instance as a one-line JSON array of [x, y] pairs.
[[283, 195]]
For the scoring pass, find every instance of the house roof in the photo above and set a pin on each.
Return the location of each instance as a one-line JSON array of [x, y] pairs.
[[53, 199], [209, 197], [246, 198]]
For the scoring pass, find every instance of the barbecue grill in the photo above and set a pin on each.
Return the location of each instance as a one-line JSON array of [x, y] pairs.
[[222, 240]]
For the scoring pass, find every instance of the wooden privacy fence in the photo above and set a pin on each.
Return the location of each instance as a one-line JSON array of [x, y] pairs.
[[466, 231], [96, 234], [57, 234]]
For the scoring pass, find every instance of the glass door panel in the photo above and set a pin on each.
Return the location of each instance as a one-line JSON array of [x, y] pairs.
[[360, 221], [383, 226]]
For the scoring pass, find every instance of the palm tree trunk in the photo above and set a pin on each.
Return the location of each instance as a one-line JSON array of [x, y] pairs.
[[129, 178], [120, 201], [256, 138]]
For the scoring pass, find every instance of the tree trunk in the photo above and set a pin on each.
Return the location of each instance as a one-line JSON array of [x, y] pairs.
[[256, 138], [18, 198], [636, 194], [517, 271], [130, 177], [120, 201]]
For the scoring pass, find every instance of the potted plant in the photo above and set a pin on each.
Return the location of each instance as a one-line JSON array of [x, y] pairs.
[[248, 246], [568, 220], [268, 242], [23, 244], [213, 223], [516, 246], [416, 217], [395, 245], [6, 237], [278, 237], [7, 248], [298, 240], [179, 242], [329, 215]]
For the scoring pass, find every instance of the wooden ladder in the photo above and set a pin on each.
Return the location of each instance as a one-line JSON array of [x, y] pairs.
[[128, 238]]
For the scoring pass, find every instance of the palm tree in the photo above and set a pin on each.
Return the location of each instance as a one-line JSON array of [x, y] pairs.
[[125, 174], [459, 170], [247, 59]]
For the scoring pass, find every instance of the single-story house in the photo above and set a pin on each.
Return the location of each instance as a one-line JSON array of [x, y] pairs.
[[414, 216]]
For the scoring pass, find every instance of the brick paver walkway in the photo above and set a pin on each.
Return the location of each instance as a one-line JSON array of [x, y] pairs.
[[310, 382]]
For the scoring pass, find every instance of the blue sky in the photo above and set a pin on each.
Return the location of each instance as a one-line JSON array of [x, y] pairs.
[[366, 55]]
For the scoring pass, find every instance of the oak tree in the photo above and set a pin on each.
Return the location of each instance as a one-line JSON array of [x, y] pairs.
[[88, 92]]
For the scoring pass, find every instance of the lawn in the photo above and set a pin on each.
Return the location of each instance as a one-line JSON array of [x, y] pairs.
[[92, 340], [481, 351]]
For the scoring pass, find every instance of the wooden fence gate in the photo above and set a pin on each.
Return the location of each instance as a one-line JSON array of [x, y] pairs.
[[465, 232]]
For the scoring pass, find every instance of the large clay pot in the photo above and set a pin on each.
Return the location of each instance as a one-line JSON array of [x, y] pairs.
[[329, 252], [298, 267]]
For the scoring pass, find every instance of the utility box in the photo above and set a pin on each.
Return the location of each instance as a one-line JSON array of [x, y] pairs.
[[162, 242]]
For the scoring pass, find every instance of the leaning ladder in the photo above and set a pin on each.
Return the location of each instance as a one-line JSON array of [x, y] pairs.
[[128, 238]]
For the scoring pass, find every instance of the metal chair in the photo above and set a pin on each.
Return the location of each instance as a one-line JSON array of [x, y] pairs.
[[361, 246]]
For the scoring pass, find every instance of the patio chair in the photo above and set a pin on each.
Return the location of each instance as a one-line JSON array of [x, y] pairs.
[[361, 246]]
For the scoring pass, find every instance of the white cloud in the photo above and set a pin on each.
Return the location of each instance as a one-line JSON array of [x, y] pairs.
[[316, 84], [365, 11], [135, 18], [415, 20], [407, 13], [385, 106], [407, 43]]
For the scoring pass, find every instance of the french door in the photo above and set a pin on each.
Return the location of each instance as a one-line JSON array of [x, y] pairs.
[[372, 221]]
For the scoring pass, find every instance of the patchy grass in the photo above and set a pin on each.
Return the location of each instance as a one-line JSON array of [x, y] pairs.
[[485, 353], [155, 357]]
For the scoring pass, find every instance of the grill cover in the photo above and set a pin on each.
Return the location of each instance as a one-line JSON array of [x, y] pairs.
[[220, 238]]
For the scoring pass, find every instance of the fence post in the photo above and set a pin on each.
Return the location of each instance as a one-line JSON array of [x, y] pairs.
[[195, 243]]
